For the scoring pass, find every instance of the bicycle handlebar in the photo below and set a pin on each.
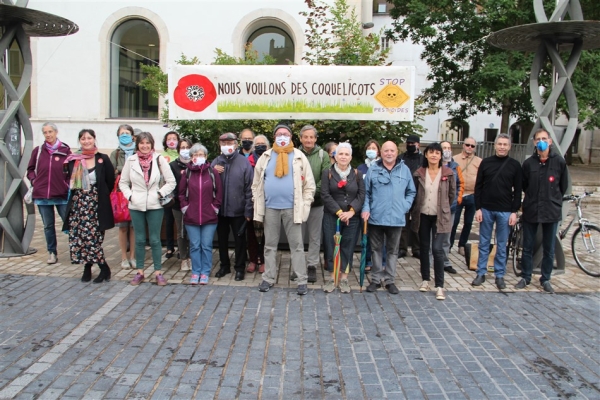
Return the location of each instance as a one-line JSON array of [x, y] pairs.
[[572, 197]]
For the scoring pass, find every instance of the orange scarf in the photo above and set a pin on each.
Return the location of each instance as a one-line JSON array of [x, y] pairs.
[[281, 166]]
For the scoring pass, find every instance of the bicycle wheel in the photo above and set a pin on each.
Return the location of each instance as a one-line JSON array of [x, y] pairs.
[[585, 244], [515, 243]]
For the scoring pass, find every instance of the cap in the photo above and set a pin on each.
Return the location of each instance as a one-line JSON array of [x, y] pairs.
[[413, 139], [228, 136], [282, 126]]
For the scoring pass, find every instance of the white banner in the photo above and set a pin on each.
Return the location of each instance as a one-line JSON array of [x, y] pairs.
[[291, 92]]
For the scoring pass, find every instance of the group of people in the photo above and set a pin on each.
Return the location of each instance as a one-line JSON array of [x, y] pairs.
[[253, 189]]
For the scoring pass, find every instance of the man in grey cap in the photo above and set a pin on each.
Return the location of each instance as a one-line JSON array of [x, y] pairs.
[[413, 159], [283, 190], [236, 175]]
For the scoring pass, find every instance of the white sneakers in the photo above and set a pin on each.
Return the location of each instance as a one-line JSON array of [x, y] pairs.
[[185, 265], [52, 258], [439, 294], [125, 264], [461, 250], [424, 286]]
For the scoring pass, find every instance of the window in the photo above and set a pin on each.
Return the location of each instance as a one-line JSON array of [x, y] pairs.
[[381, 7], [14, 65], [134, 43], [274, 42]]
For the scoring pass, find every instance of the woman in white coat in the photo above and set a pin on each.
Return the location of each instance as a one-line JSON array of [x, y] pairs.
[[141, 185]]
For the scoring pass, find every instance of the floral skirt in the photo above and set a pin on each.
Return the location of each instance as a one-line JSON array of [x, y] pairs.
[[85, 237]]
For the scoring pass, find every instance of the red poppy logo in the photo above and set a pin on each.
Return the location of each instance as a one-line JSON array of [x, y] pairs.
[[194, 93], [551, 179], [444, 178], [341, 184]]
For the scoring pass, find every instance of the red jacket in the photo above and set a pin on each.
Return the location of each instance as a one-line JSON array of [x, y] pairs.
[[198, 194], [51, 181]]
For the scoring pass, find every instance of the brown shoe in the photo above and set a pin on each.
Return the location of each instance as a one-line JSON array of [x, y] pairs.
[[261, 268], [251, 267]]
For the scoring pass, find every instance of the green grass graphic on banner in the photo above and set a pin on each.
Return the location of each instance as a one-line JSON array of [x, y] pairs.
[[298, 106]]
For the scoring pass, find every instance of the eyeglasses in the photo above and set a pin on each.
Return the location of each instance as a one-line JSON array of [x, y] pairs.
[[282, 135], [470, 145]]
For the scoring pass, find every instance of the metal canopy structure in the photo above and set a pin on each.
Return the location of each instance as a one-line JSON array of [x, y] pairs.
[[18, 23]]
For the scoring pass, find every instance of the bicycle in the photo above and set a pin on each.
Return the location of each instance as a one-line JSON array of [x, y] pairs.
[[584, 242]]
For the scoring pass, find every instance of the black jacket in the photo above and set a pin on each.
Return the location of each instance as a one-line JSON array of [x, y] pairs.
[[413, 161], [499, 184], [105, 181], [336, 198], [544, 185], [178, 168]]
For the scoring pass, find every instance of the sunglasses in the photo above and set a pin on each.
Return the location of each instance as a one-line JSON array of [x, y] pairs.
[[470, 145]]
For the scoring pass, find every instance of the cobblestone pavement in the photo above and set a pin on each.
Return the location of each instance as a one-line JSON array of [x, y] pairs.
[[62, 339]]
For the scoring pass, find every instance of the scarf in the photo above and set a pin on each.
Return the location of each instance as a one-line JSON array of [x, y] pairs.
[[80, 177], [50, 148], [145, 163], [369, 162], [342, 174], [128, 150], [281, 166]]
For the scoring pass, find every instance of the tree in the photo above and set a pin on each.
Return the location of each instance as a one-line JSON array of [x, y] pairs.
[[467, 74]]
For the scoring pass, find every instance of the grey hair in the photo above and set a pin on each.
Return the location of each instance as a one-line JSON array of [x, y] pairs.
[[198, 147], [246, 130], [503, 136], [262, 137], [472, 138], [51, 125], [308, 128], [344, 145]]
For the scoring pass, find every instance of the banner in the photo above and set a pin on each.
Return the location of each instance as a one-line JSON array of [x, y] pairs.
[[291, 92]]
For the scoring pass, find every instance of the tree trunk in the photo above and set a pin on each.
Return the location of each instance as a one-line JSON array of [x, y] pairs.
[[505, 116]]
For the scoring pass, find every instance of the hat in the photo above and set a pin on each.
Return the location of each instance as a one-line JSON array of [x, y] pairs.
[[413, 139], [282, 126], [228, 136]]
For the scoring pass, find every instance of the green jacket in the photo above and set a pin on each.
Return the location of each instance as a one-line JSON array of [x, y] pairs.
[[319, 162]]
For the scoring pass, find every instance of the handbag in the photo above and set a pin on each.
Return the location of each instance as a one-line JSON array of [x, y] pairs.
[[119, 204], [169, 199]]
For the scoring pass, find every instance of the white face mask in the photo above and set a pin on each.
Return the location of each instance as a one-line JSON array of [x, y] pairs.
[[184, 154], [282, 141], [227, 150], [447, 155], [199, 161]]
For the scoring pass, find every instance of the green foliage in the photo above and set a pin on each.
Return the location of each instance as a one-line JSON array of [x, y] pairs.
[[467, 74]]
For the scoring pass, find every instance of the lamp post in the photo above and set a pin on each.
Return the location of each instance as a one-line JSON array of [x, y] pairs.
[[18, 23]]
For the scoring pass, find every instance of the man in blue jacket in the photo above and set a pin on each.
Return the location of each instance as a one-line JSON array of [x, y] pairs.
[[236, 175], [390, 191]]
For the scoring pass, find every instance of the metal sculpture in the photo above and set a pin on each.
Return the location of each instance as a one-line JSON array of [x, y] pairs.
[[18, 23]]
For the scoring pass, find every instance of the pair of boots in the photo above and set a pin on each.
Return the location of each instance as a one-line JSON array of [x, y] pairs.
[[104, 274]]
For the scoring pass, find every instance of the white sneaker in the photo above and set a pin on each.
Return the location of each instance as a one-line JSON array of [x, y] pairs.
[[132, 263], [439, 294], [52, 259], [424, 286], [185, 265], [125, 264], [461, 250]]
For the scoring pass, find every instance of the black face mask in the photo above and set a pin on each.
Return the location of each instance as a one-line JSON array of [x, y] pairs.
[[259, 149], [411, 148], [246, 144]]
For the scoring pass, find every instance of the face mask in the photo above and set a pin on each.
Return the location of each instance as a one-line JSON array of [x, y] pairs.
[[172, 144], [259, 149], [184, 154], [542, 146], [447, 155], [371, 154], [125, 139], [282, 141], [227, 150], [199, 161], [411, 148], [247, 144]]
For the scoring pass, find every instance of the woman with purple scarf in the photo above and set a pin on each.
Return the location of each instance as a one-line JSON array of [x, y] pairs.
[[50, 184], [89, 212]]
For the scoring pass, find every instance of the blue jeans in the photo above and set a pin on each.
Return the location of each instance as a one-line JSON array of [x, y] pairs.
[[153, 220], [500, 218], [548, 242], [47, 213], [468, 203], [201, 246]]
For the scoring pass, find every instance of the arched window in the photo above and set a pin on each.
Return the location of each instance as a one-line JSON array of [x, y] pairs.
[[134, 43], [275, 42]]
